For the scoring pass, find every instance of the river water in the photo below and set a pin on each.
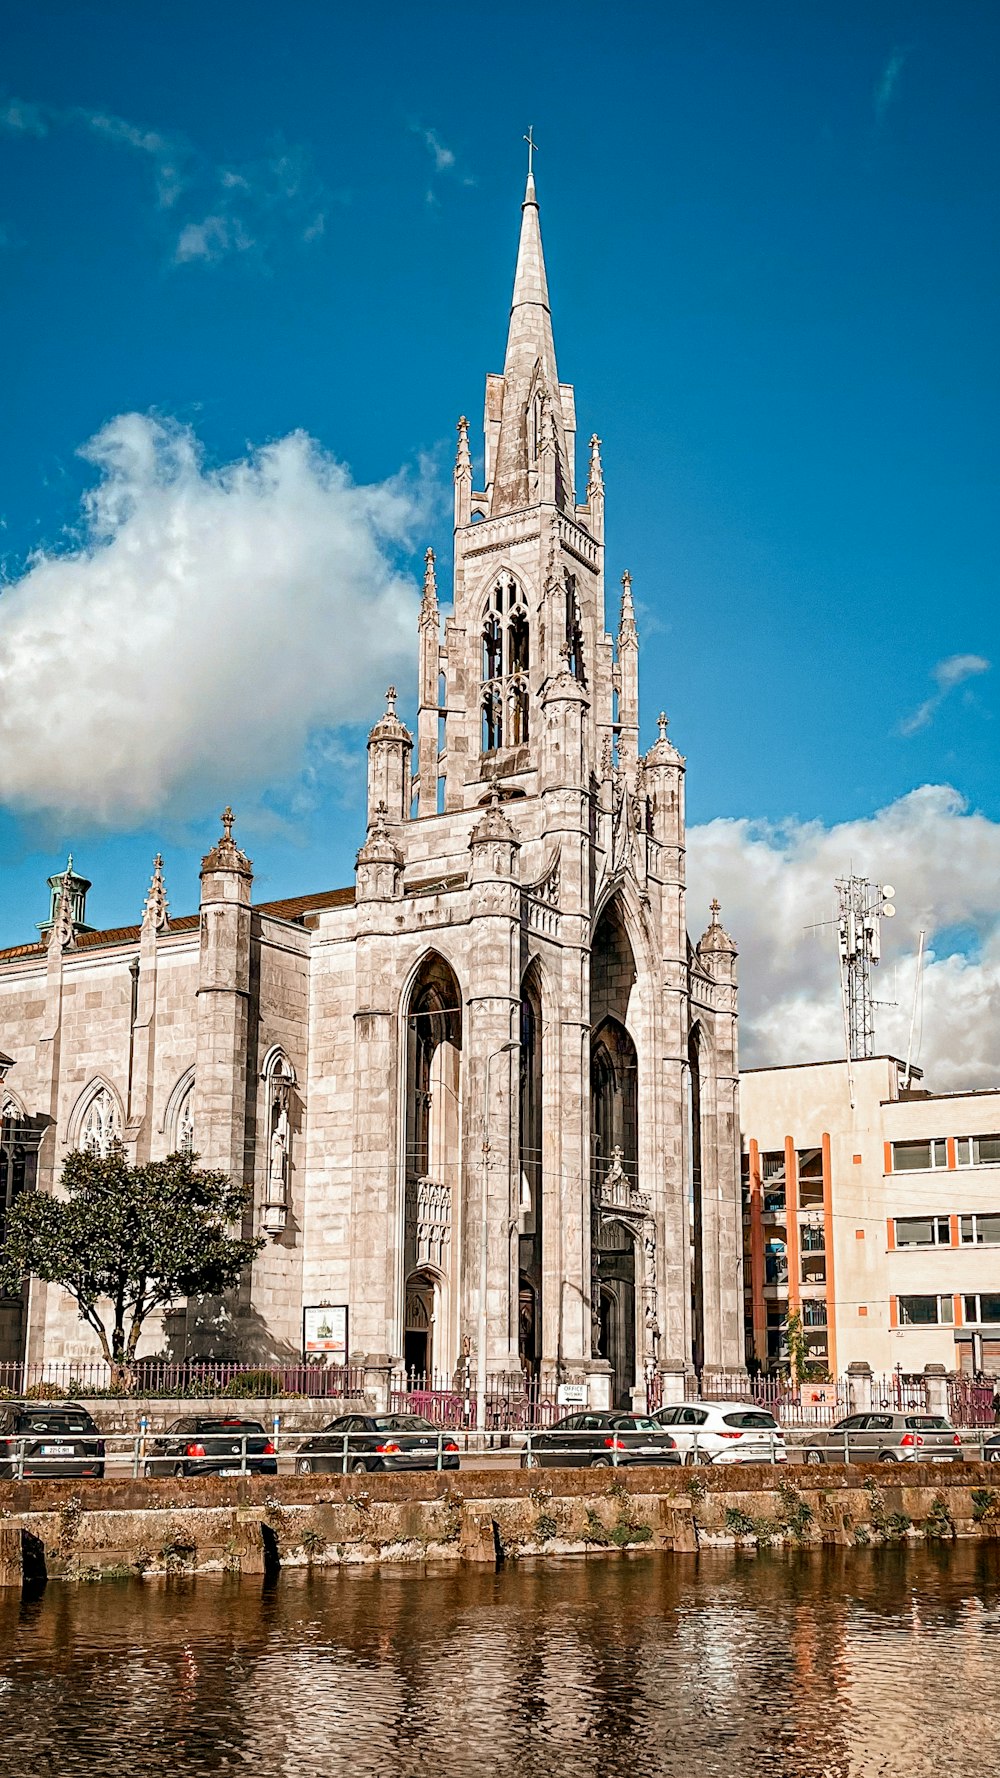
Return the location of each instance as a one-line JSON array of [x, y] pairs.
[[803, 1665]]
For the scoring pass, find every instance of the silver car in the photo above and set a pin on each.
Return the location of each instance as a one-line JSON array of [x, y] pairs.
[[886, 1437]]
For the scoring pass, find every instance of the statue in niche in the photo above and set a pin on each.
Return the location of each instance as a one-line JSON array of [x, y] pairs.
[[278, 1166], [649, 1253], [652, 1333]]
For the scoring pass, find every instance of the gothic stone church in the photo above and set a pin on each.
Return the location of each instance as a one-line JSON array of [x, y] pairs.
[[504, 1006]]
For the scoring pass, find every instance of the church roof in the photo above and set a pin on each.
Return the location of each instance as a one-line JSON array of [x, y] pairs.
[[297, 909]]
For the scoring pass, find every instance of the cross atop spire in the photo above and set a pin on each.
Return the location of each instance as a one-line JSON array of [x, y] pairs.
[[715, 909], [532, 147], [227, 819]]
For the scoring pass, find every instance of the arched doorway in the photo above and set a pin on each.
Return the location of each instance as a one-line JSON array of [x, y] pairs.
[[432, 1166], [418, 1331], [697, 1240], [529, 1208], [618, 1213]]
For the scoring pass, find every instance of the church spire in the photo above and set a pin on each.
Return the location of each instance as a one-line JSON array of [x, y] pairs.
[[531, 391]]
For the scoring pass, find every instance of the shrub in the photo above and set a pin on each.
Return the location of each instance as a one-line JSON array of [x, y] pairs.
[[254, 1384]]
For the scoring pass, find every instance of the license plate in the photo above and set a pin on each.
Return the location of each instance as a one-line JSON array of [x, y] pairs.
[[58, 1451], [230, 1472]]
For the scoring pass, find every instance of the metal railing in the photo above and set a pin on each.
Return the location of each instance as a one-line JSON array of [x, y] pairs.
[[191, 1379], [147, 1454], [512, 1404]]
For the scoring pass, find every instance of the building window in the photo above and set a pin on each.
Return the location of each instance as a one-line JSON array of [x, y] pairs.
[[813, 1313], [978, 1151], [506, 660], [919, 1157], [979, 1230], [772, 1173], [923, 1231], [812, 1239], [983, 1307], [101, 1127], [925, 1311]]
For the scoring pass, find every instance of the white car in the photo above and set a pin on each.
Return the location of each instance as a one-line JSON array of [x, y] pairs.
[[724, 1432]]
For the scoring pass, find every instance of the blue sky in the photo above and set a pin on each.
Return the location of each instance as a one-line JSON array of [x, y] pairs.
[[772, 249]]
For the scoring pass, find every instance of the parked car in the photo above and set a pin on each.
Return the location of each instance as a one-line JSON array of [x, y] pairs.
[[386, 1442], [991, 1449], [598, 1439], [724, 1432], [886, 1437], [49, 1439], [198, 1445]]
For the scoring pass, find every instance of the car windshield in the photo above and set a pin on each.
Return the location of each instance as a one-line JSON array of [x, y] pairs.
[[632, 1423], [402, 1423], [751, 1420], [239, 1426], [56, 1423], [927, 1423]]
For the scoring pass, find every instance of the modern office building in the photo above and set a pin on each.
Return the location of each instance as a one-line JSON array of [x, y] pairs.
[[871, 1207]]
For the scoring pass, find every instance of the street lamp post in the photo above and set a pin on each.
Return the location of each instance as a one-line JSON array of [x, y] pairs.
[[484, 1229]]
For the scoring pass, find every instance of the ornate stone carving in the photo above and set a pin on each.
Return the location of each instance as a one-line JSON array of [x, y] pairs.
[[428, 1223]]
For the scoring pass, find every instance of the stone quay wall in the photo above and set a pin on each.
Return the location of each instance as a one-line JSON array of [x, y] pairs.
[[255, 1525]]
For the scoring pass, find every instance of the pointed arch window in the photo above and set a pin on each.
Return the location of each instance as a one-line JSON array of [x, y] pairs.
[[101, 1125], [573, 650], [506, 665], [185, 1122]]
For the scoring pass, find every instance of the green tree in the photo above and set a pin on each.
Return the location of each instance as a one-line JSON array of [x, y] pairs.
[[795, 1341], [125, 1241]]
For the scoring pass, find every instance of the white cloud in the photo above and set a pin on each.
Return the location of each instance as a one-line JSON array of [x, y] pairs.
[[214, 210], [22, 118], [775, 882], [888, 83], [948, 674], [208, 628], [443, 158]]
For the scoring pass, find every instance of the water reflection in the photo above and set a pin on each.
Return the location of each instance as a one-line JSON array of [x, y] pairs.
[[836, 1665]]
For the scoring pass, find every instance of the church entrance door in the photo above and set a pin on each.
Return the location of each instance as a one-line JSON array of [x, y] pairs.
[[418, 1335], [617, 1336]]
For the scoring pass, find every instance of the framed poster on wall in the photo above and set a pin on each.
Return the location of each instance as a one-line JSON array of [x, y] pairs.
[[324, 1332]]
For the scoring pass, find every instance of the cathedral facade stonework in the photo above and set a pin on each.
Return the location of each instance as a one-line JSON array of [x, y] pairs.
[[489, 1091]]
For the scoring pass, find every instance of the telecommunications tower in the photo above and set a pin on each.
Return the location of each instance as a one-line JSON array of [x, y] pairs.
[[863, 905]]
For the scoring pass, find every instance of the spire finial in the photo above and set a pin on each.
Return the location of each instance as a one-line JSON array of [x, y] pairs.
[[715, 908], [627, 625], [390, 700], [463, 456], [595, 479], [532, 148], [430, 581], [62, 933], [227, 819], [661, 724], [154, 912]]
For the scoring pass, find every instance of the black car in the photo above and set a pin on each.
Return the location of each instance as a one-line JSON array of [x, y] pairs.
[[991, 1449], [197, 1445], [598, 1439], [49, 1439], [363, 1442]]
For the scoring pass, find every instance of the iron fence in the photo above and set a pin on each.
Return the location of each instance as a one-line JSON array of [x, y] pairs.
[[192, 1380], [972, 1403], [512, 1404]]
